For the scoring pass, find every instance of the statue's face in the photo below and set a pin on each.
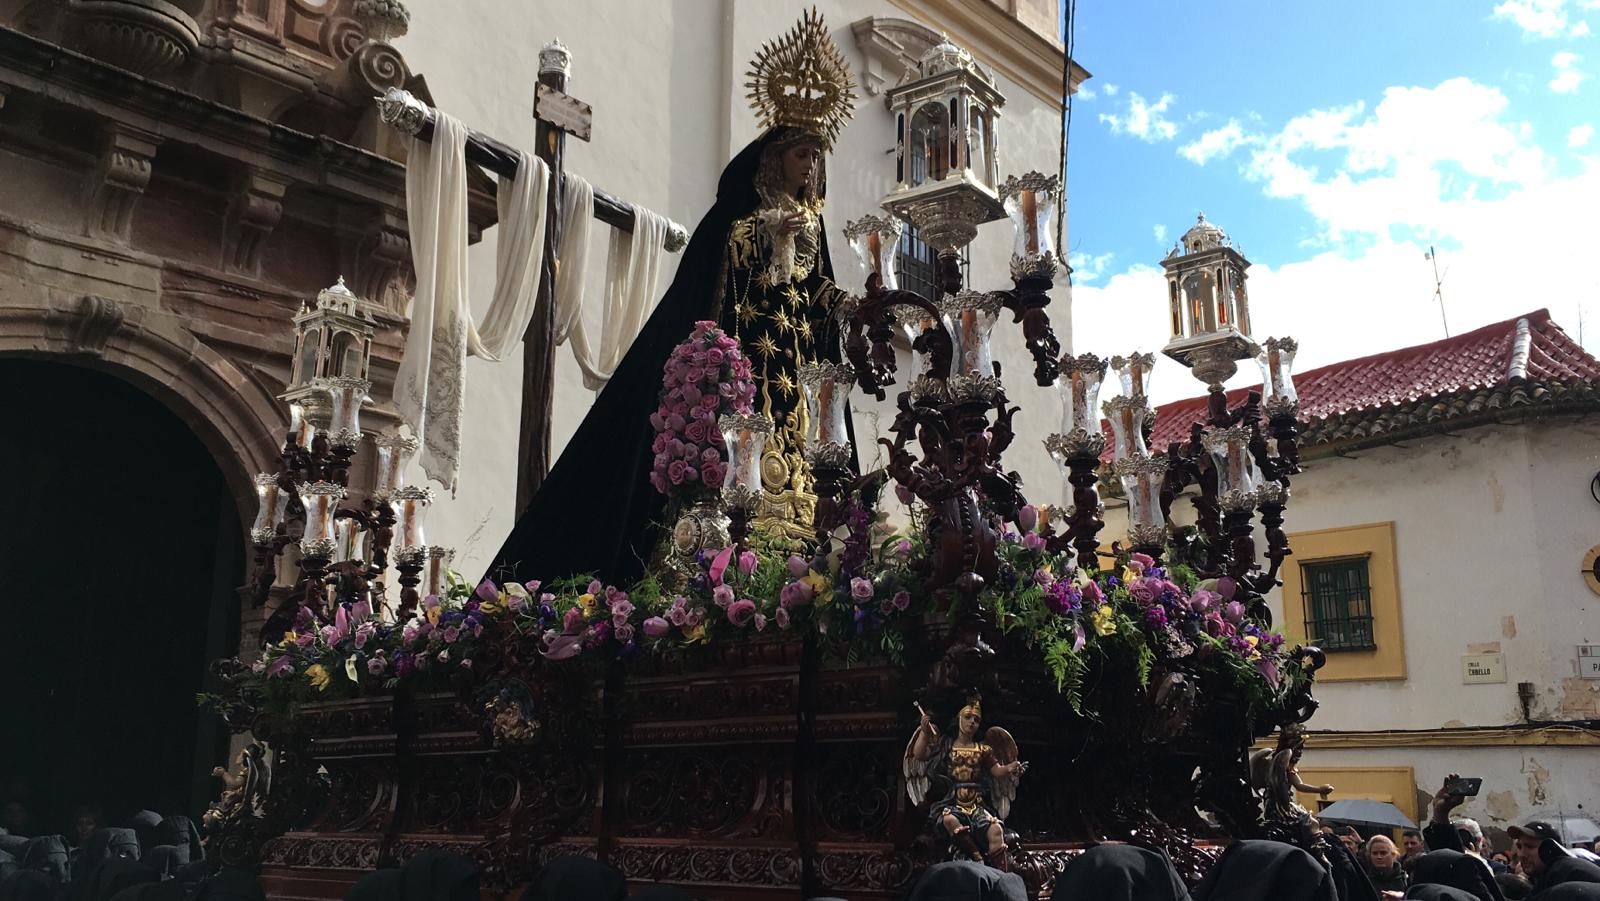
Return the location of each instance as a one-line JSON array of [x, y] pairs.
[[968, 722], [799, 162]]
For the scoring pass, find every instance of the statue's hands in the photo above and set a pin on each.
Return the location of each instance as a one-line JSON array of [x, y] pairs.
[[1324, 789], [926, 725], [790, 224], [1016, 768]]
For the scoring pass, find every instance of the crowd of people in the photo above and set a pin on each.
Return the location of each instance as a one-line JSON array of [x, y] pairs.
[[154, 858]]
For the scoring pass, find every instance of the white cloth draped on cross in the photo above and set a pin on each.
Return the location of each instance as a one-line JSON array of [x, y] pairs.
[[429, 386]]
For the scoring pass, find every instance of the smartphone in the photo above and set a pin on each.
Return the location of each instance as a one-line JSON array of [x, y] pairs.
[[1463, 786]]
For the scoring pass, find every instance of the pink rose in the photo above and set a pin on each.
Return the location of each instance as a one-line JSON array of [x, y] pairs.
[[694, 374], [691, 394], [658, 481], [691, 474], [714, 357], [747, 562], [710, 401], [1233, 612], [1143, 560], [722, 595], [861, 589], [711, 455], [676, 422], [655, 627], [713, 473], [656, 421], [901, 600], [624, 632], [794, 594], [1033, 541], [740, 612], [621, 610], [676, 471], [782, 617], [696, 431]]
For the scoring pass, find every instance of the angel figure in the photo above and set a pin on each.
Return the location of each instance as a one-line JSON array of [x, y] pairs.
[[1275, 773], [982, 782]]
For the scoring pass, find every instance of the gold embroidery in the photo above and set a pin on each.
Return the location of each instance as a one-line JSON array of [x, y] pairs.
[[765, 347]]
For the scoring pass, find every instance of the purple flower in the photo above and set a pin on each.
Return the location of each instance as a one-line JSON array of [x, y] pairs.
[[1156, 616], [305, 639], [781, 616], [451, 634], [1203, 600], [655, 627], [904, 494], [740, 612], [1092, 593], [1028, 517], [563, 647], [572, 621], [722, 595], [488, 592], [430, 602], [719, 565], [793, 594], [280, 667], [408, 634], [902, 548], [1078, 639], [330, 634], [747, 562], [621, 609], [1233, 612], [1268, 668], [404, 663], [623, 632], [901, 600], [1033, 541], [377, 665], [861, 589], [1227, 587], [1145, 591], [600, 633], [798, 567]]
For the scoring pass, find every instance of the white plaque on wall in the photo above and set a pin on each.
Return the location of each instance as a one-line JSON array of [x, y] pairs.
[[1589, 661], [1477, 669]]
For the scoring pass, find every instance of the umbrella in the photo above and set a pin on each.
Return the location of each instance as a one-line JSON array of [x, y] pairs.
[[1365, 813]]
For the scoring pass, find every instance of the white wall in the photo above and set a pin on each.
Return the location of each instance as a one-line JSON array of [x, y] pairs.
[[666, 83], [1490, 527]]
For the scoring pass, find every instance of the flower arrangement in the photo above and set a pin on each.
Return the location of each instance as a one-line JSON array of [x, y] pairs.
[[705, 377], [858, 600]]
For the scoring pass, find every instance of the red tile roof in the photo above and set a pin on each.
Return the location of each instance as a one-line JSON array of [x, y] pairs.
[[1466, 363]]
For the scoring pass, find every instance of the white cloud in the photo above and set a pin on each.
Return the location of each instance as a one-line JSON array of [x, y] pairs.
[[1110, 90], [1579, 30], [1144, 120], [1567, 78], [1214, 144], [1161, 235], [1089, 267], [1084, 92], [1448, 166], [1536, 18]]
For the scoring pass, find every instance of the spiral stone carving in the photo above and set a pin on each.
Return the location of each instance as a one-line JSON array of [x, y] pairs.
[[378, 67], [146, 37]]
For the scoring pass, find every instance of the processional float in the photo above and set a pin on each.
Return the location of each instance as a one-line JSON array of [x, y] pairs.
[[750, 768]]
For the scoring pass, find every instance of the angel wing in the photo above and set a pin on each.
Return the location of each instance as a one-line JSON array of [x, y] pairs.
[[1005, 751], [918, 773]]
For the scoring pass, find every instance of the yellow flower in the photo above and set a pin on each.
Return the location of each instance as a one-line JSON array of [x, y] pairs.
[[695, 633], [821, 588], [1130, 575], [590, 608], [288, 640], [1104, 620], [318, 677], [433, 614]]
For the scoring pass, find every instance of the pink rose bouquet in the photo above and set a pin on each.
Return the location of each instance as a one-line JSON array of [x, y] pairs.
[[706, 377]]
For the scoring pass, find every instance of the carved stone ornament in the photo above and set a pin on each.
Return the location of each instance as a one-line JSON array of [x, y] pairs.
[[124, 172], [98, 319], [146, 37], [382, 20]]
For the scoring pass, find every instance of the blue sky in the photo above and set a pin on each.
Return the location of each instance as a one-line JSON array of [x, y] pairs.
[[1334, 146]]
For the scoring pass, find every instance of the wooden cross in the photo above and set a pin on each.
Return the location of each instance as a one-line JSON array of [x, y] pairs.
[[557, 115]]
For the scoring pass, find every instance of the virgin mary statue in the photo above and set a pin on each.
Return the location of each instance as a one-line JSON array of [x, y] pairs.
[[758, 266]]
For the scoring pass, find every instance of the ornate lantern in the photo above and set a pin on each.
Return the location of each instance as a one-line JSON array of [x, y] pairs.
[[274, 507], [945, 148], [347, 394], [301, 431], [1127, 415], [1031, 200], [394, 453], [1276, 359], [1133, 371], [913, 321], [350, 540], [1141, 478], [827, 388], [875, 240], [745, 438], [331, 339], [321, 500], [1210, 314], [970, 316], [1235, 467], [410, 512], [1081, 377], [438, 569]]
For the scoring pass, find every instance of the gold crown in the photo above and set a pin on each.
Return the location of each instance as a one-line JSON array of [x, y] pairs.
[[975, 705], [802, 81]]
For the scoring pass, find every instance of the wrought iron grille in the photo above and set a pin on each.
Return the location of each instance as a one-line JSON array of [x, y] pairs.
[[1337, 595], [919, 264]]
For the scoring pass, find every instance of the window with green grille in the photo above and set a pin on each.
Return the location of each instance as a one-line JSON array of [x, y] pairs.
[[1338, 604]]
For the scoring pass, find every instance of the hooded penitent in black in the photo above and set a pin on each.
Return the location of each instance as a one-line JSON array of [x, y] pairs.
[[1458, 871], [966, 880], [1267, 871], [597, 511], [1120, 873], [576, 877]]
